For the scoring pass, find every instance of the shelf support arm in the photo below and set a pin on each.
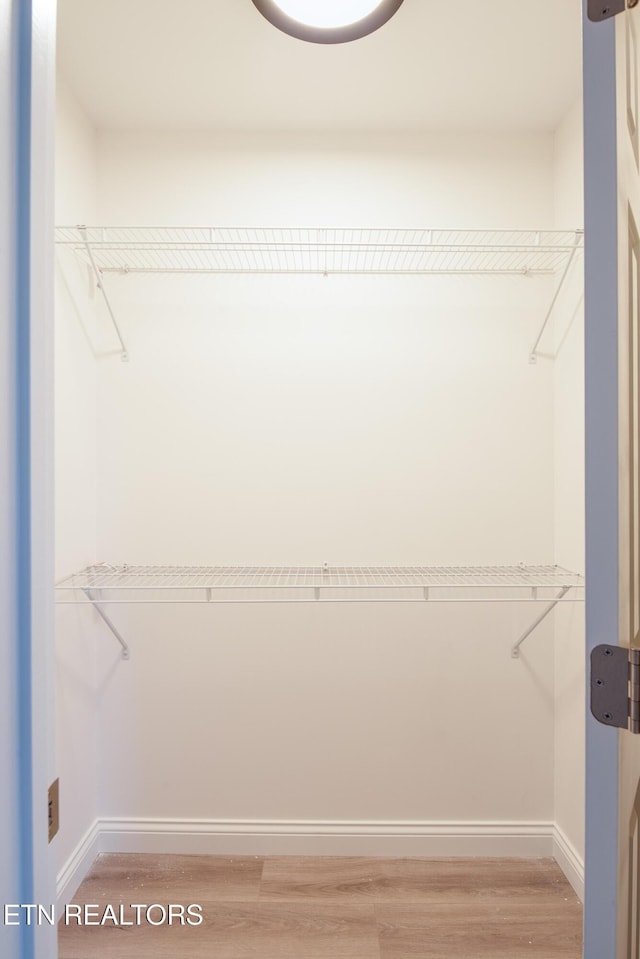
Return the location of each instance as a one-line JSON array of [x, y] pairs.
[[533, 355], [98, 275], [126, 652], [515, 651]]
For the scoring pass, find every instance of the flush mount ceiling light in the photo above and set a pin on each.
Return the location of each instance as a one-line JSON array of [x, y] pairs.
[[328, 21]]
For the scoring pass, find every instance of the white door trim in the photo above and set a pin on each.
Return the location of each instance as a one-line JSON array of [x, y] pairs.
[[601, 387], [41, 361], [27, 874], [11, 828]]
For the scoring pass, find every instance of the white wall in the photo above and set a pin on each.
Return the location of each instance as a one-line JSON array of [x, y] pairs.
[[75, 480], [304, 420], [311, 405], [569, 498], [454, 180]]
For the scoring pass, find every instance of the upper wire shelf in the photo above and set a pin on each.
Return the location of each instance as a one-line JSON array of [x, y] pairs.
[[131, 584], [320, 251]]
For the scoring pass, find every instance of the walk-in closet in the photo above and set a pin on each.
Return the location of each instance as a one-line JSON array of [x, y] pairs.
[[319, 436]]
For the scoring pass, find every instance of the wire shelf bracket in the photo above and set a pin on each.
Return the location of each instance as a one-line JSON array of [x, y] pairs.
[[578, 243], [104, 585], [82, 230], [126, 652], [515, 651]]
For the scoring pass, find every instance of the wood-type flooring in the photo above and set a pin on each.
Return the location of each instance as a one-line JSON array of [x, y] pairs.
[[325, 908]]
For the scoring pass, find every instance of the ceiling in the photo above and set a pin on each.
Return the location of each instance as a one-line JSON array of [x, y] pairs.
[[444, 65]]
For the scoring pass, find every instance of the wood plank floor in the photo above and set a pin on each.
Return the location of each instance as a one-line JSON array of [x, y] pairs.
[[329, 908]]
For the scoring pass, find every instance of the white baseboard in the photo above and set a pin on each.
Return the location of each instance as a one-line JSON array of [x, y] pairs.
[[569, 860], [327, 838], [78, 865], [318, 838]]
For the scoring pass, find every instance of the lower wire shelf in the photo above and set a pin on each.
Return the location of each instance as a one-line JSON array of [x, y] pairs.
[[104, 585], [244, 584]]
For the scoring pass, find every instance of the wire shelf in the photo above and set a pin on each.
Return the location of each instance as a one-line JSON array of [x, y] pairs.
[[201, 584], [320, 251]]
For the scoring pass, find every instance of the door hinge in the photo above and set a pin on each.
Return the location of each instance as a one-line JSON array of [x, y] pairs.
[[54, 808], [615, 686], [604, 9]]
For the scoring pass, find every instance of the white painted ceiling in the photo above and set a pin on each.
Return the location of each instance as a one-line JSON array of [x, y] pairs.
[[492, 65]]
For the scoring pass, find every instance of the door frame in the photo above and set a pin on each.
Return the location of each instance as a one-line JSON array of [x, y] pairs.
[[27, 112], [27, 115], [601, 471]]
